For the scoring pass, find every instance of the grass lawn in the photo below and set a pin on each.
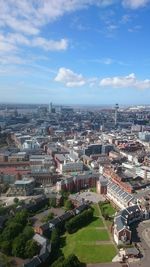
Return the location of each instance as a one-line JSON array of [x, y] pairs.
[[97, 222], [85, 244], [109, 209], [87, 235], [91, 253], [96, 210], [88, 243]]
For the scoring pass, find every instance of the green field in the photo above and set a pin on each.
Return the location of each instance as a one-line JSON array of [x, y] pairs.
[[96, 210], [97, 222], [107, 207], [87, 235], [90, 244], [90, 253]]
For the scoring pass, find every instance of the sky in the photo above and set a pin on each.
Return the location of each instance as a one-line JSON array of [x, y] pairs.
[[92, 52]]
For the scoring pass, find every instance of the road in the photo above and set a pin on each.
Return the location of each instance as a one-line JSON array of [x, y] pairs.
[[143, 241]]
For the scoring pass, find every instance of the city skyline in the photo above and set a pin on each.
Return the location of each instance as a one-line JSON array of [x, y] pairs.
[[75, 52]]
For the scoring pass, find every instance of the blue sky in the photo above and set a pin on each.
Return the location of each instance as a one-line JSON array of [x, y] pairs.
[[75, 51]]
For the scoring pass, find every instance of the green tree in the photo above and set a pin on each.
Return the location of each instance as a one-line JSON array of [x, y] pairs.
[[11, 231], [79, 221], [3, 210], [6, 247], [71, 261], [52, 202], [28, 232], [16, 200], [58, 262], [55, 239], [68, 205], [21, 217], [49, 217], [64, 195], [31, 248], [5, 261], [18, 247]]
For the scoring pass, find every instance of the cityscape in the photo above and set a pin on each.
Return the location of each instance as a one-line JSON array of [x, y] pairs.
[[74, 133]]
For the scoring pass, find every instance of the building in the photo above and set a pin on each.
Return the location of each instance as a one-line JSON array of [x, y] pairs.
[[144, 136], [93, 149], [122, 222], [46, 228], [24, 187], [118, 196], [66, 163], [45, 249], [77, 182], [101, 186]]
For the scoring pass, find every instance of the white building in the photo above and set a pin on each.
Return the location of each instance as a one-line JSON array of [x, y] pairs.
[[71, 166]]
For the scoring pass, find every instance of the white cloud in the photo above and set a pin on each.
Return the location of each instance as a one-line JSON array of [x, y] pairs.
[[107, 61], [125, 82], [29, 16], [50, 45], [135, 28], [10, 41], [134, 4], [70, 78]]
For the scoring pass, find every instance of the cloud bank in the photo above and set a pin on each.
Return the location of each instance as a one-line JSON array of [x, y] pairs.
[[72, 79]]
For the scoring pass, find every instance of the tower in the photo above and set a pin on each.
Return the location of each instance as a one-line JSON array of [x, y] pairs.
[[116, 114], [50, 107]]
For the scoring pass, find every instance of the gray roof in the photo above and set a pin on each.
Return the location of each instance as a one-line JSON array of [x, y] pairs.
[[34, 262], [40, 239], [122, 218]]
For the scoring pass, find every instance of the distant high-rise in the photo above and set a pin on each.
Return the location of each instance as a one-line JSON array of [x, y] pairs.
[[116, 114], [50, 107]]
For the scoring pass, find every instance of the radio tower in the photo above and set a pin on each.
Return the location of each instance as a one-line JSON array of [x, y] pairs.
[[116, 114]]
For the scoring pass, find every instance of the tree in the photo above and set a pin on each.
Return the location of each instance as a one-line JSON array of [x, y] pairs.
[[28, 232], [3, 210], [11, 231], [49, 217], [18, 247], [5, 261], [71, 261], [64, 195], [31, 248], [5, 247], [55, 239], [16, 200], [58, 262], [52, 202], [21, 217], [79, 221], [68, 205]]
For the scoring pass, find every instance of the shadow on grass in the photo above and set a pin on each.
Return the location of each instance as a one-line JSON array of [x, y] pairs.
[[93, 220], [83, 226], [83, 264], [62, 241]]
